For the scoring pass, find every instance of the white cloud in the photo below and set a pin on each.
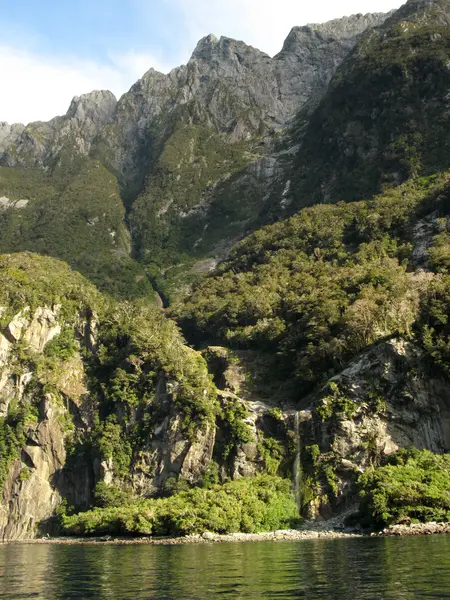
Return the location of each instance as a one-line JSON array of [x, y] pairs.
[[40, 87], [266, 23]]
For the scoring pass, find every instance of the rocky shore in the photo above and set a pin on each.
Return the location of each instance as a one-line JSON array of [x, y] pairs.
[[416, 529], [314, 532], [205, 538]]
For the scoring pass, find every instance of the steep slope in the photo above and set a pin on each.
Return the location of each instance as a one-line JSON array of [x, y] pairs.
[[324, 338], [347, 304], [345, 310], [102, 404], [82, 223], [225, 137], [316, 289], [384, 117], [90, 391], [185, 148], [58, 200]]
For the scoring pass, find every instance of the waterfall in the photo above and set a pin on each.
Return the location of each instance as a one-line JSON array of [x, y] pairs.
[[297, 474]]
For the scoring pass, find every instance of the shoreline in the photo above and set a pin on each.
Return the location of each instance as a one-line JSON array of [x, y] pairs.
[[213, 538], [204, 538]]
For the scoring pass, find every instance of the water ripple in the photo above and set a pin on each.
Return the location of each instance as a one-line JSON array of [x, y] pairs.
[[359, 569]]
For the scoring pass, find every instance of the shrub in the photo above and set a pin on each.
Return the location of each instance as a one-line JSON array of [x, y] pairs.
[[247, 505], [414, 485]]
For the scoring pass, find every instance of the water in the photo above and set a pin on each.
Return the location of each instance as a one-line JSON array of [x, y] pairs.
[[354, 569]]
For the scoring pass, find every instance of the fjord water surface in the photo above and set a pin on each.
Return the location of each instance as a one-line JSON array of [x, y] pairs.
[[354, 569]]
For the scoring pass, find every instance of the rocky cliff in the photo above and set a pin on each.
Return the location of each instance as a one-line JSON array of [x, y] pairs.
[[382, 118], [184, 148], [316, 350], [100, 400]]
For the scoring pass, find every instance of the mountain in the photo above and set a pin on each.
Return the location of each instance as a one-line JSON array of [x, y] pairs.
[[383, 119], [336, 298], [182, 148], [294, 213]]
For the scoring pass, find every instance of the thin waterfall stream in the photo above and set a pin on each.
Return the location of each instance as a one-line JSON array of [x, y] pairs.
[[297, 474]]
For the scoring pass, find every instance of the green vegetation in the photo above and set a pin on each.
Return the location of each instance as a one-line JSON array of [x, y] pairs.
[[381, 121], [13, 435], [63, 346], [272, 452], [107, 496], [316, 289], [335, 403], [11, 441], [234, 431], [413, 486], [318, 479], [192, 200], [31, 280], [141, 356], [247, 505], [79, 218], [140, 372], [434, 324]]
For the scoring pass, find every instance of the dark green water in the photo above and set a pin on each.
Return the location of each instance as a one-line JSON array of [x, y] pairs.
[[384, 568]]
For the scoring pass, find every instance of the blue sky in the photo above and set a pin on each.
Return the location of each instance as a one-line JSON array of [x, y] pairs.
[[51, 50], [90, 28]]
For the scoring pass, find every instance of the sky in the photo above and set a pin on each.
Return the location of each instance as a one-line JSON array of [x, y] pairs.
[[53, 50]]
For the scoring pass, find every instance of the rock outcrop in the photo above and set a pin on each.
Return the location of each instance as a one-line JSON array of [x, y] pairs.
[[218, 120], [31, 492], [386, 399]]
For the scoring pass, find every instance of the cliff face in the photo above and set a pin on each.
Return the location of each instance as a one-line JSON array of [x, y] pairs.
[[100, 399], [384, 400], [333, 324], [382, 118], [37, 420], [184, 148]]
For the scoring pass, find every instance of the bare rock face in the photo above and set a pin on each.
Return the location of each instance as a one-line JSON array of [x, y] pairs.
[[42, 329], [40, 144], [171, 454], [312, 54], [34, 485], [97, 108], [28, 494], [234, 88], [383, 401]]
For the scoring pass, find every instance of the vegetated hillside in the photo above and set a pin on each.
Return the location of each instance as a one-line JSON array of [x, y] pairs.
[[78, 217], [195, 155], [316, 289], [102, 405], [384, 117], [347, 306], [324, 338]]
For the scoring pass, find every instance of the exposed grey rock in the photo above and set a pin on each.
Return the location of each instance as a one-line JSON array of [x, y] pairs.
[[34, 485], [43, 328], [312, 54], [28, 494], [170, 455], [414, 411], [233, 87], [97, 108]]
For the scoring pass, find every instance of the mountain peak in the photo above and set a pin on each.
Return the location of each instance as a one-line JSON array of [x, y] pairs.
[[223, 48], [98, 106], [204, 46], [344, 28]]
